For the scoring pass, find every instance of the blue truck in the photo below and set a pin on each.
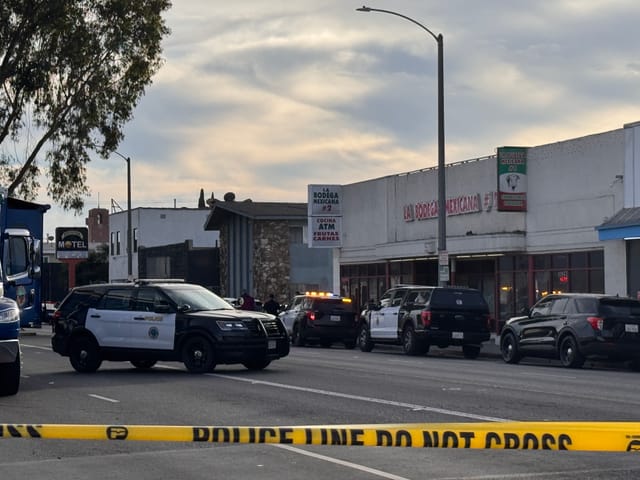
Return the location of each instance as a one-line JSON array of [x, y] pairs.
[[21, 224]]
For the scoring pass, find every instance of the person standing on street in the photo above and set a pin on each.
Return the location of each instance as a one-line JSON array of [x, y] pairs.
[[271, 306], [247, 301]]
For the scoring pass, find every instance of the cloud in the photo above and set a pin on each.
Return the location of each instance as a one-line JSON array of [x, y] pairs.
[[263, 98]]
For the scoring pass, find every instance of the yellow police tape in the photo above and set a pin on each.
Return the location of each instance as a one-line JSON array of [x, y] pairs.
[[586, 436]]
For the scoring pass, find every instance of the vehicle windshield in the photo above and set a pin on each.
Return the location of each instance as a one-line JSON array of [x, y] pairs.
[[196, 297]]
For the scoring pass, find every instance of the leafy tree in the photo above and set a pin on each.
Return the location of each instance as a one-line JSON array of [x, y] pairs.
[[71, 73]]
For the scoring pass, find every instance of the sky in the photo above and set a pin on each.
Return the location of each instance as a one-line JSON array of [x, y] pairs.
[[262, 98]]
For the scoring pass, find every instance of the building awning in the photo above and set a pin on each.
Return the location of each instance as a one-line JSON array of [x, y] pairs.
[[624, 225]]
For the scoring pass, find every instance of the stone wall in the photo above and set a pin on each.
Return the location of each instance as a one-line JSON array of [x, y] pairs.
[[271, 260]]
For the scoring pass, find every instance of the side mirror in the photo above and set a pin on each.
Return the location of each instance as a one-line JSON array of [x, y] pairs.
[[525, 311]]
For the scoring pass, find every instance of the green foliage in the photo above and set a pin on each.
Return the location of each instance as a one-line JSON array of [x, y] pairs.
[[72, 72], [100, 254]]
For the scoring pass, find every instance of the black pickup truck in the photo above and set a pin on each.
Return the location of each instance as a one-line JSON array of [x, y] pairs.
[[418, 316]]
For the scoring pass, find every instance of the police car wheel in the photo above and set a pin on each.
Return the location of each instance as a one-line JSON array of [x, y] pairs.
[[143, 364], [410, 344], [258, 364], [10, 377], [569, 353], [509, 348], [364, 339], [84, 355], [198, 355]]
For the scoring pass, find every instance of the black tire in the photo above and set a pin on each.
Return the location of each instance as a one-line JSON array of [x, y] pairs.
[[143, 364], [410, 343], [10, 377], [569, 353], [509, 348], [296, 336], [84, 355], [257, 364], [364, 339], [471, 351], [326, 343], [198, 355]]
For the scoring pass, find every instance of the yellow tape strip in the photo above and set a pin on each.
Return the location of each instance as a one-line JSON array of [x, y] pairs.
[[586, 436]]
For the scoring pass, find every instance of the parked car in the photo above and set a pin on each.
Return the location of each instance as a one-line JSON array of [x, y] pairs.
[[149, 321], [573, 327], [321, 317], [418, 316]]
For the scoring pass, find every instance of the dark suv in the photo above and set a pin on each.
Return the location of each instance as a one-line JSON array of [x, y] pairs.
[[149, 321], [324, 318], [573, 327], [418, 316]]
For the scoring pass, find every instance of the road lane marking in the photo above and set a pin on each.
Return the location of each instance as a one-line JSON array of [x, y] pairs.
[[381, 401], [106, 399], [39, 347], [355, 466], [548, 375]]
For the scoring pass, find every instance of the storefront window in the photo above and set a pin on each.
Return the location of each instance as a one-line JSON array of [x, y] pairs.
[[521, 262], [579, 272], [542, 285], [506, 295], [505, 263], [560, 281], [596, 281], [541, 262], [522, 292], [596, 259], [579, 281], [560, 261], [579, 260]]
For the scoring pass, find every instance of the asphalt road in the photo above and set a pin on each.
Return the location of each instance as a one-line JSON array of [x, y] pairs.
[[312, 386]]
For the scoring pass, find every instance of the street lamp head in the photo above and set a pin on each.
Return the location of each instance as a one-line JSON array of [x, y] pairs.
[[363, 9]]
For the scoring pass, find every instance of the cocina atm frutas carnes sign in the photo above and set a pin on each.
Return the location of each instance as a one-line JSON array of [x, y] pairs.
[[325, 216], [72, 242]]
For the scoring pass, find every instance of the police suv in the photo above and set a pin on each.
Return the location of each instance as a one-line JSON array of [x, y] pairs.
[[149, 321], [418, 316]]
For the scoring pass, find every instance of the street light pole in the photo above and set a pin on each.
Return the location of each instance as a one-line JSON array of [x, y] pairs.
[[129, 241], [442, 208]]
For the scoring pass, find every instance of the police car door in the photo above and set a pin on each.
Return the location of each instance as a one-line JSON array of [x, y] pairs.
[[390, 317], [109, 321], [290, 314], [384, 322], [153, 321]]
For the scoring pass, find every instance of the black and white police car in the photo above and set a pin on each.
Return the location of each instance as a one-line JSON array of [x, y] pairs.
[[149, 321]]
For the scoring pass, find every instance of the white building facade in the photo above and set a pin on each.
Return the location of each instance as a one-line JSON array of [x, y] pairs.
[[574, 231], [154, 227]]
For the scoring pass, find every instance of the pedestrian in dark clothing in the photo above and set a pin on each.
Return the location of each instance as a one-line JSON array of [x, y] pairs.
[[248, 303], [271, 306]]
